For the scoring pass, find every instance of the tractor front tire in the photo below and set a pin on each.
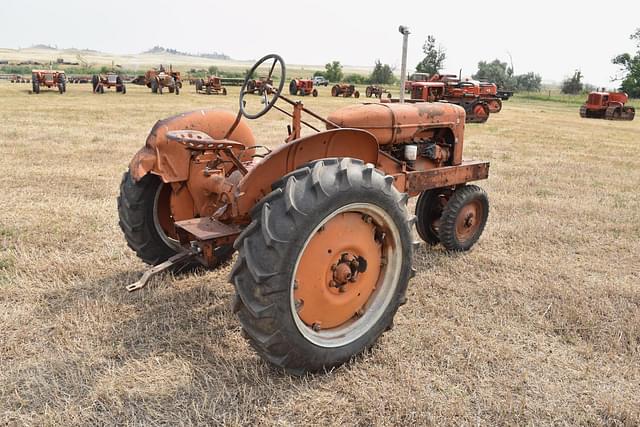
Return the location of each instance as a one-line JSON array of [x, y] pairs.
[[314, 93], [139, 207], [317, 218], [428, 212], [464, 218]]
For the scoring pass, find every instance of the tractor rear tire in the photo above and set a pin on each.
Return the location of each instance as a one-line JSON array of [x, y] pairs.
[[154, 85], [356, 94], [293, 88], [94, 82], [273, 265], [137, 211], [199, 85], [314, 93], [368, 92], [35, 83], [464, 218], [335, 90]]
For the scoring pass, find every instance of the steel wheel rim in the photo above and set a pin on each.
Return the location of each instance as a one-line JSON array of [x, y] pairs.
[[169, 241], [468, 220], [380, 298]]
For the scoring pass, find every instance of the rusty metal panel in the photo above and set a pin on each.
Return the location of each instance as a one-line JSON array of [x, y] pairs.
[[207, 228], [418, 181]]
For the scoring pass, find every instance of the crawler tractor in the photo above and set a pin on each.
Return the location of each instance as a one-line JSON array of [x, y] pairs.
[[345, 90], [321, 222], [607, 105], [211, 86], [303, 87], [49, 79], [109, 80]]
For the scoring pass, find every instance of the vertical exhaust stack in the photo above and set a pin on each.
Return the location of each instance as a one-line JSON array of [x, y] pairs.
[[403, 71]]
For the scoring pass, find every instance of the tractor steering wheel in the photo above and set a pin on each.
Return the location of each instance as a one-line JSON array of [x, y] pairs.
[[267, 90]]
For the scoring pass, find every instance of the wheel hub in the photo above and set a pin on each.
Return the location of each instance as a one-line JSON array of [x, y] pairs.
[[338, 271], [466, 224]]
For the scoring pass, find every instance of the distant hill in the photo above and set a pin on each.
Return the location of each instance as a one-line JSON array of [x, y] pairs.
[[43, 46], [163, 50]]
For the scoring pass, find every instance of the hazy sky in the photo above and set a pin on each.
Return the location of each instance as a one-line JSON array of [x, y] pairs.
[[551, 38]]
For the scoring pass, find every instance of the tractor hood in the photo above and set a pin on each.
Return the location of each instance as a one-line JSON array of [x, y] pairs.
[[394, 123]]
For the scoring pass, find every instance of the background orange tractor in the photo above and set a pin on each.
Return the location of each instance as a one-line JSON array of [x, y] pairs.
[[377, 91], [320, 223], [210, 85], [48, 79], [607, 105], [260, 85], [302, 87], [477, 110], [158, 80], [345, 90], [109, 80]]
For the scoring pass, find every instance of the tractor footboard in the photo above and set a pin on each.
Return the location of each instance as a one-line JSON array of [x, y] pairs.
[[419, 181]]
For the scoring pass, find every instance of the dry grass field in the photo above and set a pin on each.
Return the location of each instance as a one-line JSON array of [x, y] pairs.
[[538, 325]]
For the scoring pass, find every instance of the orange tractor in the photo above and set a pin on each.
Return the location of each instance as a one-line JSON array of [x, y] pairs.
[[321, 222], [260, 85], [607, 105], [302, 87], [157, 80], [376, 91], [210, 85], [477, 110], [345, 90], [109, 80], [49, 79]]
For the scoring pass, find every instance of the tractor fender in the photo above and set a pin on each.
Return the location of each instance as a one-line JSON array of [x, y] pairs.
[[170, 161], [342, 142]]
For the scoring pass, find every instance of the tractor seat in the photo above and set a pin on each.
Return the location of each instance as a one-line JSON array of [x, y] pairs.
[[196, 140]]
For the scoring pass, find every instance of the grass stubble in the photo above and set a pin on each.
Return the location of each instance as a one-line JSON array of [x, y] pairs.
[[538, 324]]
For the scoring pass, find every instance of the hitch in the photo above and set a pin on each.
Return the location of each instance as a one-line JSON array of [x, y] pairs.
[[157, 269]]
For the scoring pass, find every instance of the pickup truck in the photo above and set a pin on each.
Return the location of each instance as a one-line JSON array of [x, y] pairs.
[[320, 81]]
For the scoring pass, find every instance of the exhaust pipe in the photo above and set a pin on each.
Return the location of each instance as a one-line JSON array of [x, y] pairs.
[[403, 71]]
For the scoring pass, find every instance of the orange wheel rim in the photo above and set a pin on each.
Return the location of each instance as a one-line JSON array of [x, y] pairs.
[[338, 271], [163, 211], [468, 220]]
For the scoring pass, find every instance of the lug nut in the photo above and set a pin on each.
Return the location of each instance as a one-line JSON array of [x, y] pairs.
[[315, 327]]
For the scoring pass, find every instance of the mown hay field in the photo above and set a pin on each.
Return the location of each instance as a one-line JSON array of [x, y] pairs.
[[539, 324]]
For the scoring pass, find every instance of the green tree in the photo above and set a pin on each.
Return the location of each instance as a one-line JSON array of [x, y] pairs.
[[630, 68], [213, 70], [495, 72], [381, 74], [573, 84], [529, 82], [333, 71], [434, 58]]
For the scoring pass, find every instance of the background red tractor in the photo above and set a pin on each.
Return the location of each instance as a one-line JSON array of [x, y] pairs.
[[109, 80], [49, 79], [302, 87], [210, 85], [607, 105], [345, 90]]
